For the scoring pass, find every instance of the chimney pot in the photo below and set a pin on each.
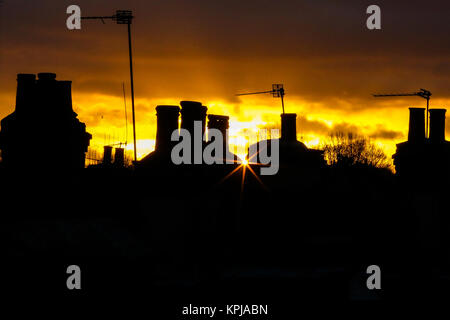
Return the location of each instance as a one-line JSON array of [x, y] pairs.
[[65, 91], [220, 123], [26, 77], [167, 122], [437, 125], [288, 127], [192, 111], [107, 155], [46, 76], [416, 125], [25, 90], [119, 157]]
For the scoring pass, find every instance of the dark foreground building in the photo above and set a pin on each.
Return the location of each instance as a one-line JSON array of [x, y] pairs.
[[43, 131], [421, 158]]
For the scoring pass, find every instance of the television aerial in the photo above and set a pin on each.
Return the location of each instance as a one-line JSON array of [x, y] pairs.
[[277, 92]]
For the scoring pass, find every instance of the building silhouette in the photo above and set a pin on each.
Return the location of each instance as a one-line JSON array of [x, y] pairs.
[[221, 123], [421, 158], [43, 130], [167, 123], [186, 224], [293, 153], [108, 161]]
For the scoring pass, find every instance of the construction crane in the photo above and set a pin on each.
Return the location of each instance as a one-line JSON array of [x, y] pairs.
[[422, 93], [277, 92], [125, 17]]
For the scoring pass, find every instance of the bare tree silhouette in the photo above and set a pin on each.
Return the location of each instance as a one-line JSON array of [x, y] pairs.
[[352, 150]]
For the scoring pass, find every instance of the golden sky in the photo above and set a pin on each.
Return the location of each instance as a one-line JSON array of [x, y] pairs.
[[208, 51]]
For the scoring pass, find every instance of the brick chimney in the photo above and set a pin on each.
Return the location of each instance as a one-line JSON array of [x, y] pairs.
[[48, 97], [288, 127], [25, 91], [65, 96], [192, 111], [107, 155], [437, 125], [167, 123], [119, 157], [416, 125], [44, 112], [220, 123]]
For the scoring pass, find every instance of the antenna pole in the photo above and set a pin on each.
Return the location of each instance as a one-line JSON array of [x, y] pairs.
[[281, 92], [426, 128], [277, 92], [126, 115], [125, 17], [422, 93], [132, 89]]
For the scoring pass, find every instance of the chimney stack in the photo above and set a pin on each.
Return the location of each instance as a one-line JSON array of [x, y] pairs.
[[119, 157], [220, 123], [44, 112], [288, 127], [46, 76], [65, 96], [48, 95], [437, 125], [416, 125], [107, 155], [25, 90], [192, 111], [167, 123]]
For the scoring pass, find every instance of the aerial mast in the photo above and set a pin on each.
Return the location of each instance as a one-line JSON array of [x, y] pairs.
[[125, 17], [277, 92], [422, 93]]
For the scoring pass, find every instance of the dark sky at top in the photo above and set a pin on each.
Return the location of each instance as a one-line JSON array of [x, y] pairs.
[[211, 49]]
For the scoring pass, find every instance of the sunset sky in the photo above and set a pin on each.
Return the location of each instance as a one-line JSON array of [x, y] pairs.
[[209, 50]]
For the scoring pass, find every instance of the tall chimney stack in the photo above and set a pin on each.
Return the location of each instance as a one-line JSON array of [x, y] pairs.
[[107, 155], [220, 123], [65, 96], [437, 125], [25, 90], [167, 123], [192, 111], [288, 127], [48, 96], [119, 157], [416, 125]]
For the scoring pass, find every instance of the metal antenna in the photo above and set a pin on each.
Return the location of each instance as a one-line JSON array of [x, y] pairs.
[[422, 93], [125, 17], [277, 92], [126, 116]]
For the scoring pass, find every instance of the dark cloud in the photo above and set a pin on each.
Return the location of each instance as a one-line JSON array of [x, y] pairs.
[[386, 134], [345, 128], [204, 50], [321, 128], [311, 126]]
